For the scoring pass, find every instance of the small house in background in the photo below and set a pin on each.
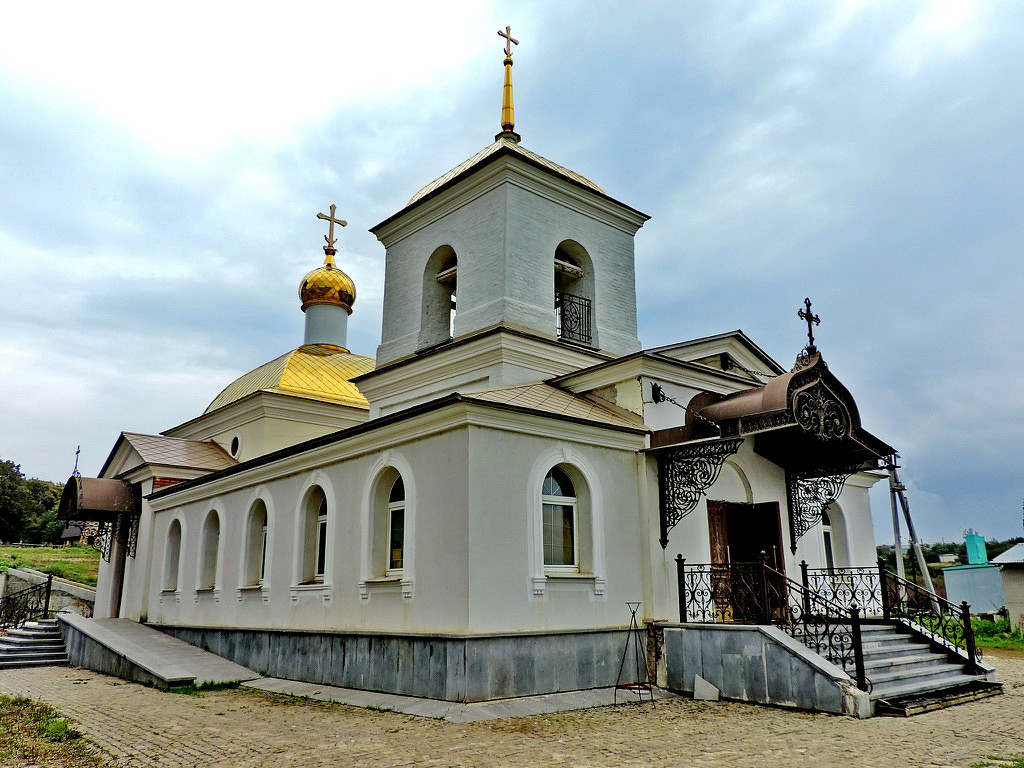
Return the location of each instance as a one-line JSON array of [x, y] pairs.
[[71, 535], [978, 582], [1012, 564]]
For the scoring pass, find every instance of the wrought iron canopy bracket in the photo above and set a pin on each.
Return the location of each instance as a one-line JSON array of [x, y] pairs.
[[807, 497], [685, 474]]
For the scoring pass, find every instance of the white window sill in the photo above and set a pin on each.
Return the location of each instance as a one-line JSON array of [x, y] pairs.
[[386, 584], [389, 579], [569, 580], [317, 588]]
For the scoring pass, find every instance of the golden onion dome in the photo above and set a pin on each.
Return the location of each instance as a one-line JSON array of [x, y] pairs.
[[313, 371], [328, 285]]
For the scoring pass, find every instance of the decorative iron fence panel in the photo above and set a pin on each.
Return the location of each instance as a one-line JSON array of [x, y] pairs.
[[857, 587]]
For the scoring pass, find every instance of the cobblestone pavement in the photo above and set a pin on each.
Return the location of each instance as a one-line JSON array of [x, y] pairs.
[[140, 726]]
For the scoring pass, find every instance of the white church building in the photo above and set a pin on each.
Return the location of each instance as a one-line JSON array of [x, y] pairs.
[[464, 515]]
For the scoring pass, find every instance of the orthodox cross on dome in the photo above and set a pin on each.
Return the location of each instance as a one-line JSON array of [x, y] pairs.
[[329, 237], [812, 320], [508, 117]]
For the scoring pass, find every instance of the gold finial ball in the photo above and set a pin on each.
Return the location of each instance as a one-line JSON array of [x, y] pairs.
[[328, 285]]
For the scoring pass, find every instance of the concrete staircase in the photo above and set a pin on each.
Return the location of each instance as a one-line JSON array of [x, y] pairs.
[[33, 644], [909, 677]]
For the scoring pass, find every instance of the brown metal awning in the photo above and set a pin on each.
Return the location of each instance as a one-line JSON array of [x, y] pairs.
[[805, 421], [97, 498]]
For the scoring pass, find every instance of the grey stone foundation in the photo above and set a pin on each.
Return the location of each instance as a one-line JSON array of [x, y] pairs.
[[448, 667]]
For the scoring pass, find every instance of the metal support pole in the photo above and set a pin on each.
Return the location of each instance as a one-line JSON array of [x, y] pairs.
[[972, 648], [858, 648], [882, 572], [681, 585], [46, 600], [807, 586], [896, 520], [767, 615]]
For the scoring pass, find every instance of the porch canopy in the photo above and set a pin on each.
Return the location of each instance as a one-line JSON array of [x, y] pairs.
[[805, 421], [96, 498]]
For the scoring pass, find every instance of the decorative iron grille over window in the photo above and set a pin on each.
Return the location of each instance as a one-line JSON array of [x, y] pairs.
[[572, 317]]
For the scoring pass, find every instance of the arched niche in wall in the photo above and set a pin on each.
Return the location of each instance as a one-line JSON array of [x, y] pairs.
[[440, 283], [575, 311]]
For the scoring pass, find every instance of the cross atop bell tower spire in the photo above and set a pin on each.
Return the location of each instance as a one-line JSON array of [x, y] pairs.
[[812, 320], [508, 116]]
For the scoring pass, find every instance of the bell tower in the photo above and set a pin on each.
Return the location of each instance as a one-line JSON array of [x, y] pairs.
[[509, 243]]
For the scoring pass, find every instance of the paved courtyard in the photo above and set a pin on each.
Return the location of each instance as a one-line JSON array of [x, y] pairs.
[[139, 726]]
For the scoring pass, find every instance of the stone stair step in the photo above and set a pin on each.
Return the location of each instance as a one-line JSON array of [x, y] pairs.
[[917, 674], [917, 687], [32, 633], [914, 705], [27, 647], [27, 656], [907, 662], [33, 663]]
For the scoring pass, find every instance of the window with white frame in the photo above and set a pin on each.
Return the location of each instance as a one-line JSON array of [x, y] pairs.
[[826, 535], [256, 545], [561, 523], [210, 551], [321, 541], [172, 557], [396, 528]]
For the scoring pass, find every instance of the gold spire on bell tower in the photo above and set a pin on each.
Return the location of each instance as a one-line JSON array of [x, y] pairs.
[[508, 113], [328, 284]]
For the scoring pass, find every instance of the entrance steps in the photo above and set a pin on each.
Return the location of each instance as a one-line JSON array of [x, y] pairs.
[[33, 644], [908, 676]]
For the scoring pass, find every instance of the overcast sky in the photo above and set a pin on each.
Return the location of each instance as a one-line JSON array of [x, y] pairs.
[[161, 167]]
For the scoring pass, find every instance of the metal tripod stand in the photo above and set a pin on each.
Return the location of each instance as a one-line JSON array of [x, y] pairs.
[[636, 639]]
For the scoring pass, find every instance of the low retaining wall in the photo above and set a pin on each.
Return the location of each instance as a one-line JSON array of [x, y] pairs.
[[448, 667], [759, 664], [64, 595], [86, 650]]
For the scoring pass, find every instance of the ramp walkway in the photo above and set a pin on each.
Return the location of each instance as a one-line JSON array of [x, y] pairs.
[[136, 652]]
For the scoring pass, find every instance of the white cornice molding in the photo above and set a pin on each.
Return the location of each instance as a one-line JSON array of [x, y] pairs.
[[509, 169], [668, 370], [492, 348], [262, 405], [458, 415]]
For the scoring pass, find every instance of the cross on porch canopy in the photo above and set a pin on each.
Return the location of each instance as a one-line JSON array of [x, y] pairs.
[[812, 320], [329, 237]]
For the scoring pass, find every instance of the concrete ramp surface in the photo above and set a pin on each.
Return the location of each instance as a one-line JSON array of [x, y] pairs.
[[133, 651]]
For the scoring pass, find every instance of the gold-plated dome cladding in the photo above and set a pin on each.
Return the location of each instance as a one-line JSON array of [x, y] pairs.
[[328, 285], [313, 371]]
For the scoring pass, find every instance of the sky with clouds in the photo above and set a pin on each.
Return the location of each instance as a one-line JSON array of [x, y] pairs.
[[161, 167]]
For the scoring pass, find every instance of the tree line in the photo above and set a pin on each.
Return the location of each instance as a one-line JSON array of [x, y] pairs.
[[28, 507]]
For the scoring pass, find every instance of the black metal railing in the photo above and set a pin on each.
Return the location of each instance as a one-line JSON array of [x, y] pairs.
[[573, 317], [756, 593], [944, 622], [855, 587], [25, 605]]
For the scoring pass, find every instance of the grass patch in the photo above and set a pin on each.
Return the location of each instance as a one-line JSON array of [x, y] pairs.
[[997, 634], [994, 761], [34, 733], [198, 690], [78, 563]]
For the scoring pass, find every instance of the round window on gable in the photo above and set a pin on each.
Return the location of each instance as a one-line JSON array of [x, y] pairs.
[[234, 446]]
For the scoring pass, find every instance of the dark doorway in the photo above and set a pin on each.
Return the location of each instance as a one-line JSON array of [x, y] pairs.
[[741, 532], [742, 588]]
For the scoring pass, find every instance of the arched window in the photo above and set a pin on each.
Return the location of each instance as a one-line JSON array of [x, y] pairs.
[[314, 538], [172, 557], [561, 522], [396, 528], [833, 536], [256, 545], [574, 294], [209, 551], [440, 282]]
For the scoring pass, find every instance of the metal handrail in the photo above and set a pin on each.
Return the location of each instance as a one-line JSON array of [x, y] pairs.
[[756, 593], [903, 599], [26, 604]]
